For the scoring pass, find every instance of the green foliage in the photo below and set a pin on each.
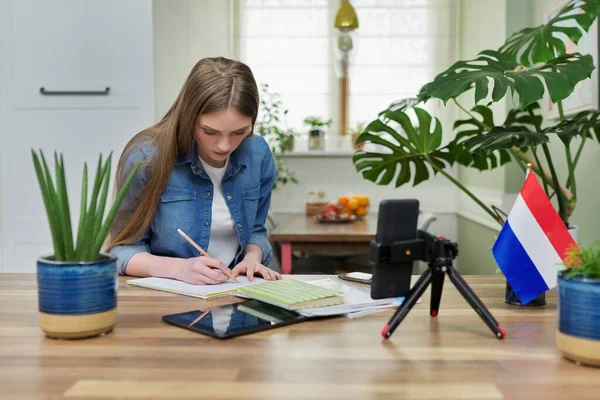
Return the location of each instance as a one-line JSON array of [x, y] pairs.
[[559, 75], [474, 128], [418, 147], [358, 128], [271, 125], [316, 122], [583, 262], [540, 44], [93, 225], [524, 67]]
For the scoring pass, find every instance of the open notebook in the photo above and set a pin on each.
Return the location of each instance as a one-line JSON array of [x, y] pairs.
[[202, 291], [357, 298]]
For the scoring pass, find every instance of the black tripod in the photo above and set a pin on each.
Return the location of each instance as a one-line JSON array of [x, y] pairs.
[[439, 253]]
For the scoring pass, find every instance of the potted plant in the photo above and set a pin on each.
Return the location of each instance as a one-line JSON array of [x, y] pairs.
[[77, 284], [316, 133], [271, 125], [528, 62], [578, 332], [355, 132]]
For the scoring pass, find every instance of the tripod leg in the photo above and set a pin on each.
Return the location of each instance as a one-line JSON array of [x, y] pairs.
[[437, 284], [410, 300], [475, 302]]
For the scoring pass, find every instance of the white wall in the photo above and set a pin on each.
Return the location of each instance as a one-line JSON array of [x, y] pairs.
[[65, 46], [186, 31]]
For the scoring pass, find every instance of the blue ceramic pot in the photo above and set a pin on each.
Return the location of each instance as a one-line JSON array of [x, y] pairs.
[[77, 299], [578, 336]]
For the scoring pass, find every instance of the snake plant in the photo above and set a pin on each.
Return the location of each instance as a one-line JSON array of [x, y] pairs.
[[93, 225]]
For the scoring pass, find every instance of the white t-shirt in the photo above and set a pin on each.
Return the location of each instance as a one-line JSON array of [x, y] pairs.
[[223, 243]]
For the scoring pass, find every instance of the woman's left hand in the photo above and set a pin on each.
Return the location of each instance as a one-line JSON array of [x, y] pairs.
[[251, 267]]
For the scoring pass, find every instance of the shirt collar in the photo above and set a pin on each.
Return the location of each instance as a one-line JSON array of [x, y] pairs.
[[237, 160]]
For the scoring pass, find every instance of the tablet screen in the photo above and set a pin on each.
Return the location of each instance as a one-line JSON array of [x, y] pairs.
[[234, 319]]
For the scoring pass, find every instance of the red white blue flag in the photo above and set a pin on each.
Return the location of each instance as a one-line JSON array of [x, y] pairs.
[[533, 243]]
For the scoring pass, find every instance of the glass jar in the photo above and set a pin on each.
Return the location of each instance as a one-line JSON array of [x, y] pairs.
[[316, 139]]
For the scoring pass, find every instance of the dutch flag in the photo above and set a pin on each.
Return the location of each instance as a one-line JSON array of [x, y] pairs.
[[533, 243]]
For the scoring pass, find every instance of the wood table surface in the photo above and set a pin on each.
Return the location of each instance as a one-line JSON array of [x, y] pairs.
[[453, 356]]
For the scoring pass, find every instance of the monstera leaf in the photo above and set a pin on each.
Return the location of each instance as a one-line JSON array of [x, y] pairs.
[[559, 75], [473, 127], [502, 137], [583, 124], [516, 117], [518, 130], [590, 123], [405, 147], [538, 45], [401, 105]]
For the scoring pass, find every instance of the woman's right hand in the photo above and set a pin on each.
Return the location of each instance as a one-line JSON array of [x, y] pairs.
[[203, 271]]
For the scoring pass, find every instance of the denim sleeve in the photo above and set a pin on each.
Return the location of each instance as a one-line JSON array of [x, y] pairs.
[[124, 252], [259, 231]]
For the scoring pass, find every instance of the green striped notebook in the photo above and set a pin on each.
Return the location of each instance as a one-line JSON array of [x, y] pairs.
[[292, 294]]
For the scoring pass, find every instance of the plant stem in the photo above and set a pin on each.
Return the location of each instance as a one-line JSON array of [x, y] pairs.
[[571, 185], [571, 178], [561, 112], [537, 160], [579, 151], [491, 213], [562, 210], [538, 128], [534, 165], [479, 123]]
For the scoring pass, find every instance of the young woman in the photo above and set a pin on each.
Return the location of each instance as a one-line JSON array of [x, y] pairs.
[[202, 172]]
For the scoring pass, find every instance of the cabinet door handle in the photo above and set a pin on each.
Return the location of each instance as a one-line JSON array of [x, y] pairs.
[[75, 92]]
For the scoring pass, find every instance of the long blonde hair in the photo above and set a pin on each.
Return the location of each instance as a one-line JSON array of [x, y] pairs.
[[214, 84]]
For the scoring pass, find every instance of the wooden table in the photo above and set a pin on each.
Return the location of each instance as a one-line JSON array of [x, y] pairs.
[[306, 234], [453, 356]]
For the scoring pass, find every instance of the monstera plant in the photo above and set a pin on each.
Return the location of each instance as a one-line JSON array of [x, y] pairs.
[[530, 62]]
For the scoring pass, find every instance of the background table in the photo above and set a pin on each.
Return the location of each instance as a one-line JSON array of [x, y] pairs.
[[304, 233], [453, 356]]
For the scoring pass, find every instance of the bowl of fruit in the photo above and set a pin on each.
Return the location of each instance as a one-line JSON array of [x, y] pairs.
[[346, 209]]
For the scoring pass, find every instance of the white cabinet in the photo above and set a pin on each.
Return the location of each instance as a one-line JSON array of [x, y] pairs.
[[74, 50]]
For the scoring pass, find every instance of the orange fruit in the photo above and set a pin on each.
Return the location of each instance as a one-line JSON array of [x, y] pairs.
[[363, 201], [353, 204], [343, 200], [361, 211]]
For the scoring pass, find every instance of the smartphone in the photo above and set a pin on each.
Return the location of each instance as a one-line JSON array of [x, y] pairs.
[[360, 277], [396, 221]]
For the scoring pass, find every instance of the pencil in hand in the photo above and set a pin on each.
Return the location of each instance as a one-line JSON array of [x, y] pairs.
[[201, 250]]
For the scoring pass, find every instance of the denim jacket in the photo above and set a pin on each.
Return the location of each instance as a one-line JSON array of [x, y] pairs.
[[186, 203]]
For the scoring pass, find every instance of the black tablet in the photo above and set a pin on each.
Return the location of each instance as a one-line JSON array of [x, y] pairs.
[[233, 320]]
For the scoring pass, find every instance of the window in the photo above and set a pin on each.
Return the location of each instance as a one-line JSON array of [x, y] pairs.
[[286, 43], [402, 44]]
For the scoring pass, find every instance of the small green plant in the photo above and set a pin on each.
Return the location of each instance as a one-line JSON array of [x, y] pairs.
[[272, 126], [93, 227], [316, 122], [583, 262]]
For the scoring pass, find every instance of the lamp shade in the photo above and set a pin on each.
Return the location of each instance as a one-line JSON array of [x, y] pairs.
[[345, 41], [346, 19]]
